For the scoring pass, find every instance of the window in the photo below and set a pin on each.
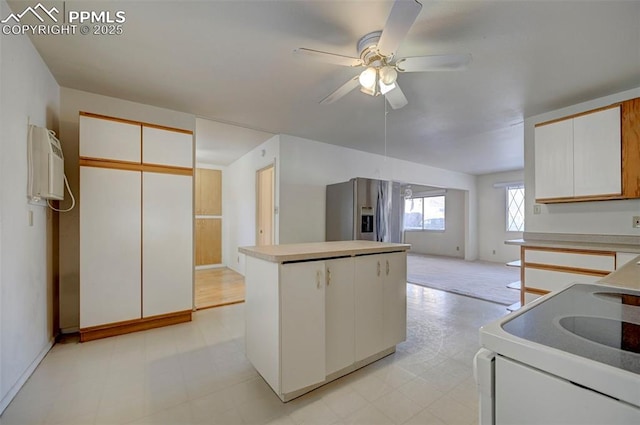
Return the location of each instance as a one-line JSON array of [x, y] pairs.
[[515, 208], [424, 213]]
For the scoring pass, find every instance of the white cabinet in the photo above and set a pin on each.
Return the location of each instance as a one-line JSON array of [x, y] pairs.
[[554, 160], [394, 294], [579, 157], [167, 240], [136, 227], [623, 258], [368, 305], [167, 147], [381, 302], [311, 321], [551, 269], [597, 153], [109, 246], [339, 314], [109, 139], [302, 326]]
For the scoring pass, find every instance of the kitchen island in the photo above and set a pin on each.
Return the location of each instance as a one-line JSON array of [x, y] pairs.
[[317, 311]]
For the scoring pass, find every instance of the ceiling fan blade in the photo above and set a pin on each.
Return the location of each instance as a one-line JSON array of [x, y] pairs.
[[396, 98], [332, 58], [434, 63], [403, 15], [341, 91]]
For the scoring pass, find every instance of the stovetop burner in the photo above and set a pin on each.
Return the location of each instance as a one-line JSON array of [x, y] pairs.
[[591, 321]]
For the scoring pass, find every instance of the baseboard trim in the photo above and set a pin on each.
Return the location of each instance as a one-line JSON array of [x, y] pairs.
[[7, 398], [121, 328]]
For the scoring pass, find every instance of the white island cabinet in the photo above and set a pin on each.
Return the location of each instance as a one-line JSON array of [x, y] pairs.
[[315, 312]]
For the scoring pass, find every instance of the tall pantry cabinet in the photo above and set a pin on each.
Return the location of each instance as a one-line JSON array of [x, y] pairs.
[[136, 226]]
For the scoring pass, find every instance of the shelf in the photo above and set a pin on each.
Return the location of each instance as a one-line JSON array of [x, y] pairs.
[[515, 285], [514, 306]]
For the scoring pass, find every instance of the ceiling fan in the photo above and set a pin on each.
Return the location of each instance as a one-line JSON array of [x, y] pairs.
[[376, 53]]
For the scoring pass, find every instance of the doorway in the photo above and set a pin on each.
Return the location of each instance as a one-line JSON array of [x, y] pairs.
[[265, 201]]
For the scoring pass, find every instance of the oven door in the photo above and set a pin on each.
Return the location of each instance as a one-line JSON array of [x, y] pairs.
[[484, 373]]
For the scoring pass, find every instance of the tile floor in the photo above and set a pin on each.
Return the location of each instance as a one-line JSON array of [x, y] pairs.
[[196, 373]]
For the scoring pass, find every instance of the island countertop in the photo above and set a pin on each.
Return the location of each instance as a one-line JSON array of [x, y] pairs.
[[320, 250], [628, 276]]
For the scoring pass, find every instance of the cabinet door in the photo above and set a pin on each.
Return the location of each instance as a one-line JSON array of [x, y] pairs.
[[394, 296], [302, 325], [368, 305], [167, 243], [208, 241], [597, 153], [623, 258], [558, 401], [339, 314], [167, 147], [554, 160], [208, 192], [110, 254], [109, 139]]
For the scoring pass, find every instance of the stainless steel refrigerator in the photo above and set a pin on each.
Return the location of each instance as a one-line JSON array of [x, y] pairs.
[[364, 209]]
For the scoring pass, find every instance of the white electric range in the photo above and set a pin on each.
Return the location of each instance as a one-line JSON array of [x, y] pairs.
[[572, 357]]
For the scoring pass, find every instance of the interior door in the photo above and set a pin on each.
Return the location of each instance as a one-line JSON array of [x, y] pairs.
[[265, 192]]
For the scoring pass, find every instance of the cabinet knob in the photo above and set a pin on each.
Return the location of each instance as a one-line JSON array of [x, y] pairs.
[[318, 273], [378, 268], [387, 267], [328, 276]]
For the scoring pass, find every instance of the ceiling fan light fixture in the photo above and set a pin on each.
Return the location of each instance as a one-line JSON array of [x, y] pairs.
[[388, 75], [367, 90], [386, 88], [368, 78]]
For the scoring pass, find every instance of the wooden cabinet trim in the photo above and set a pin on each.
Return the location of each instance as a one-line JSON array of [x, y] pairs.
[[566, 269], [141, 123], [121, 328], [608, 197], [630, 132], [134, 166], [567, 250], [580, 114], [536, 291]]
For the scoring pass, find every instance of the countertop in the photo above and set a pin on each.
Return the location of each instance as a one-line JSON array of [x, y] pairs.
[[627, 276], [587, 246], [319, 250]]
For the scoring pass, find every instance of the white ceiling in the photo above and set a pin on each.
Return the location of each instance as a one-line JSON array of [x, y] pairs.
[[221, 144], [231, 61]]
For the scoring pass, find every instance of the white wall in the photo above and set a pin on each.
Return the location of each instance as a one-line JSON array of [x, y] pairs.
[[308, 166], [239, 200], [604, 217], [492, 218], [71, 103], [449, 242], [28, 93]]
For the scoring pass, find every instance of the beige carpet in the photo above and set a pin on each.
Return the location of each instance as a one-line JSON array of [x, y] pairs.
[[478, 279]]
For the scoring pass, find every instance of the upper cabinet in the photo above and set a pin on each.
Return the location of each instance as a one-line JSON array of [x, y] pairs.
[[110, 139], [167, 147], [591, 156]]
